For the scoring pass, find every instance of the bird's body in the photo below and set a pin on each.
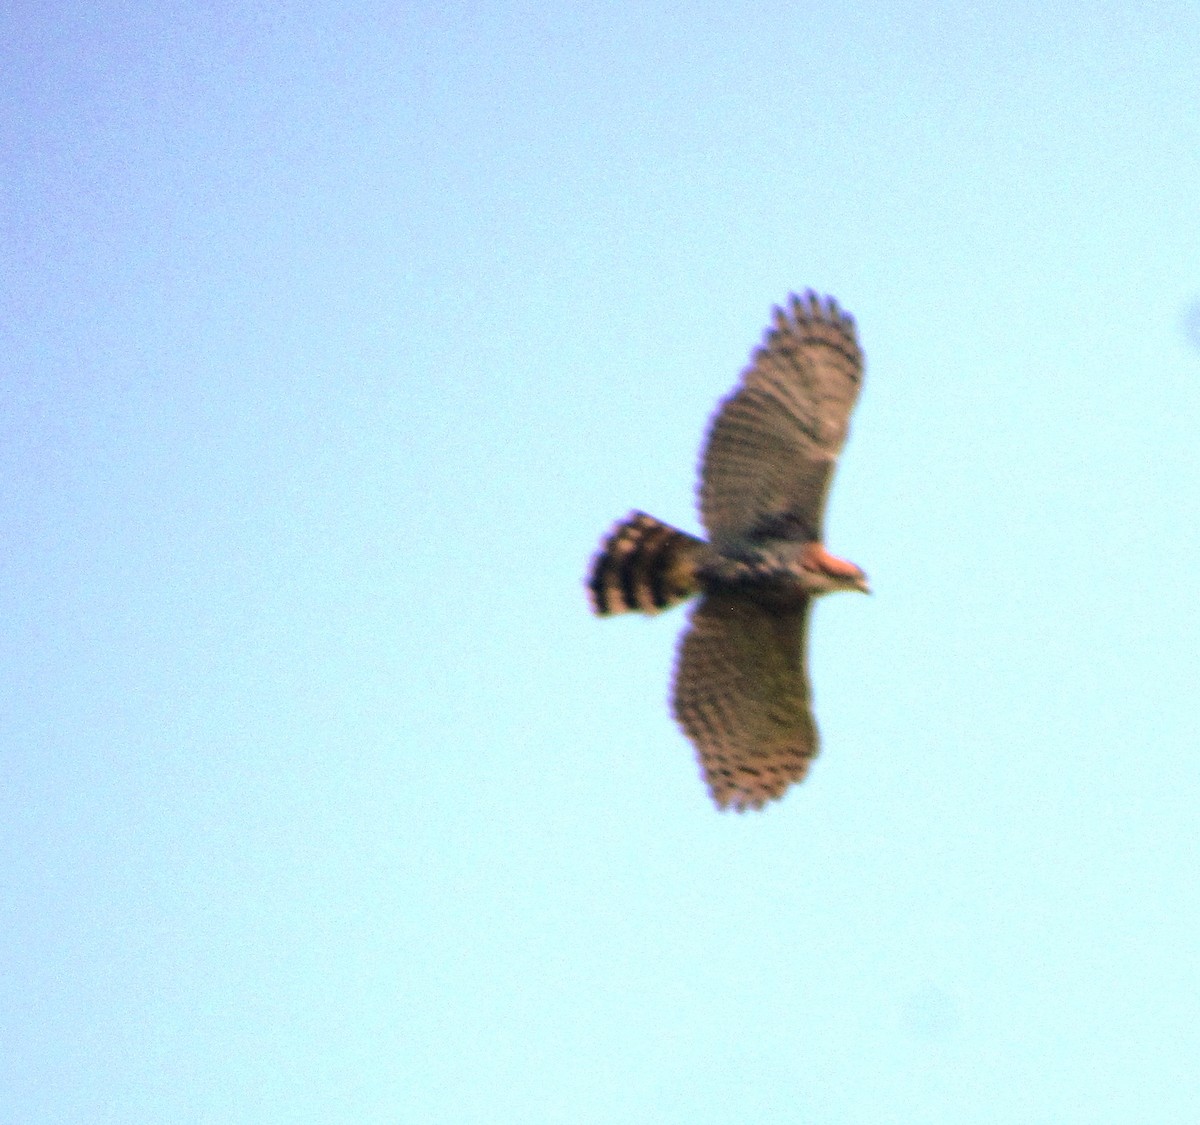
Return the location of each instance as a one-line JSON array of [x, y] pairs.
[[741, 690]]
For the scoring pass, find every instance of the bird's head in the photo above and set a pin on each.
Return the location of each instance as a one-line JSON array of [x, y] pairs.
[[831, 574], [854, 582]]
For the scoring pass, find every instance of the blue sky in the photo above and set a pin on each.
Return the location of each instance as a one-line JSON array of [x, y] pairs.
[[336, 337]]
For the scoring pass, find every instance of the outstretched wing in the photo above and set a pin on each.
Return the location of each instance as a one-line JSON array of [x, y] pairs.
[[741, 695], [774, 442]]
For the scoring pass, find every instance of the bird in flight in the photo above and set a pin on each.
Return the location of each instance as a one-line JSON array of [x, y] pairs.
[[741, 690]]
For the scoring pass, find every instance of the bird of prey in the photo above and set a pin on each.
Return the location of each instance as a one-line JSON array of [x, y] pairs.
[[741, 691]]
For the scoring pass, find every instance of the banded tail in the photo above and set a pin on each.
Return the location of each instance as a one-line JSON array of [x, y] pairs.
[[644, 565]]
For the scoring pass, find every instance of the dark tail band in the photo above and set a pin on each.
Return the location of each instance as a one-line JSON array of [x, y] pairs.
[[644, 565]]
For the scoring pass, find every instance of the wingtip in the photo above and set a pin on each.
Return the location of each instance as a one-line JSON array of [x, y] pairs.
[[812, 307]]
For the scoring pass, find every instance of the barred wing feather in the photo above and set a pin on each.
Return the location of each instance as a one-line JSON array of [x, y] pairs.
[[773, 444], [741, 694]]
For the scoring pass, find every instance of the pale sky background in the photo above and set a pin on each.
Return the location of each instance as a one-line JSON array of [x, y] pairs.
[[335, 336]]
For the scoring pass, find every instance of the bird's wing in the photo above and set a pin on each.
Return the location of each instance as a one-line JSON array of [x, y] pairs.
[[774, 442], [741, 695]]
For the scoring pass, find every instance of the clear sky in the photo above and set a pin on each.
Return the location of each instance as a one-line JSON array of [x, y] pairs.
[[334, 337]]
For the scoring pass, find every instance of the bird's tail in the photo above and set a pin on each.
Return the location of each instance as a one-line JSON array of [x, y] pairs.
[[644, 565]]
